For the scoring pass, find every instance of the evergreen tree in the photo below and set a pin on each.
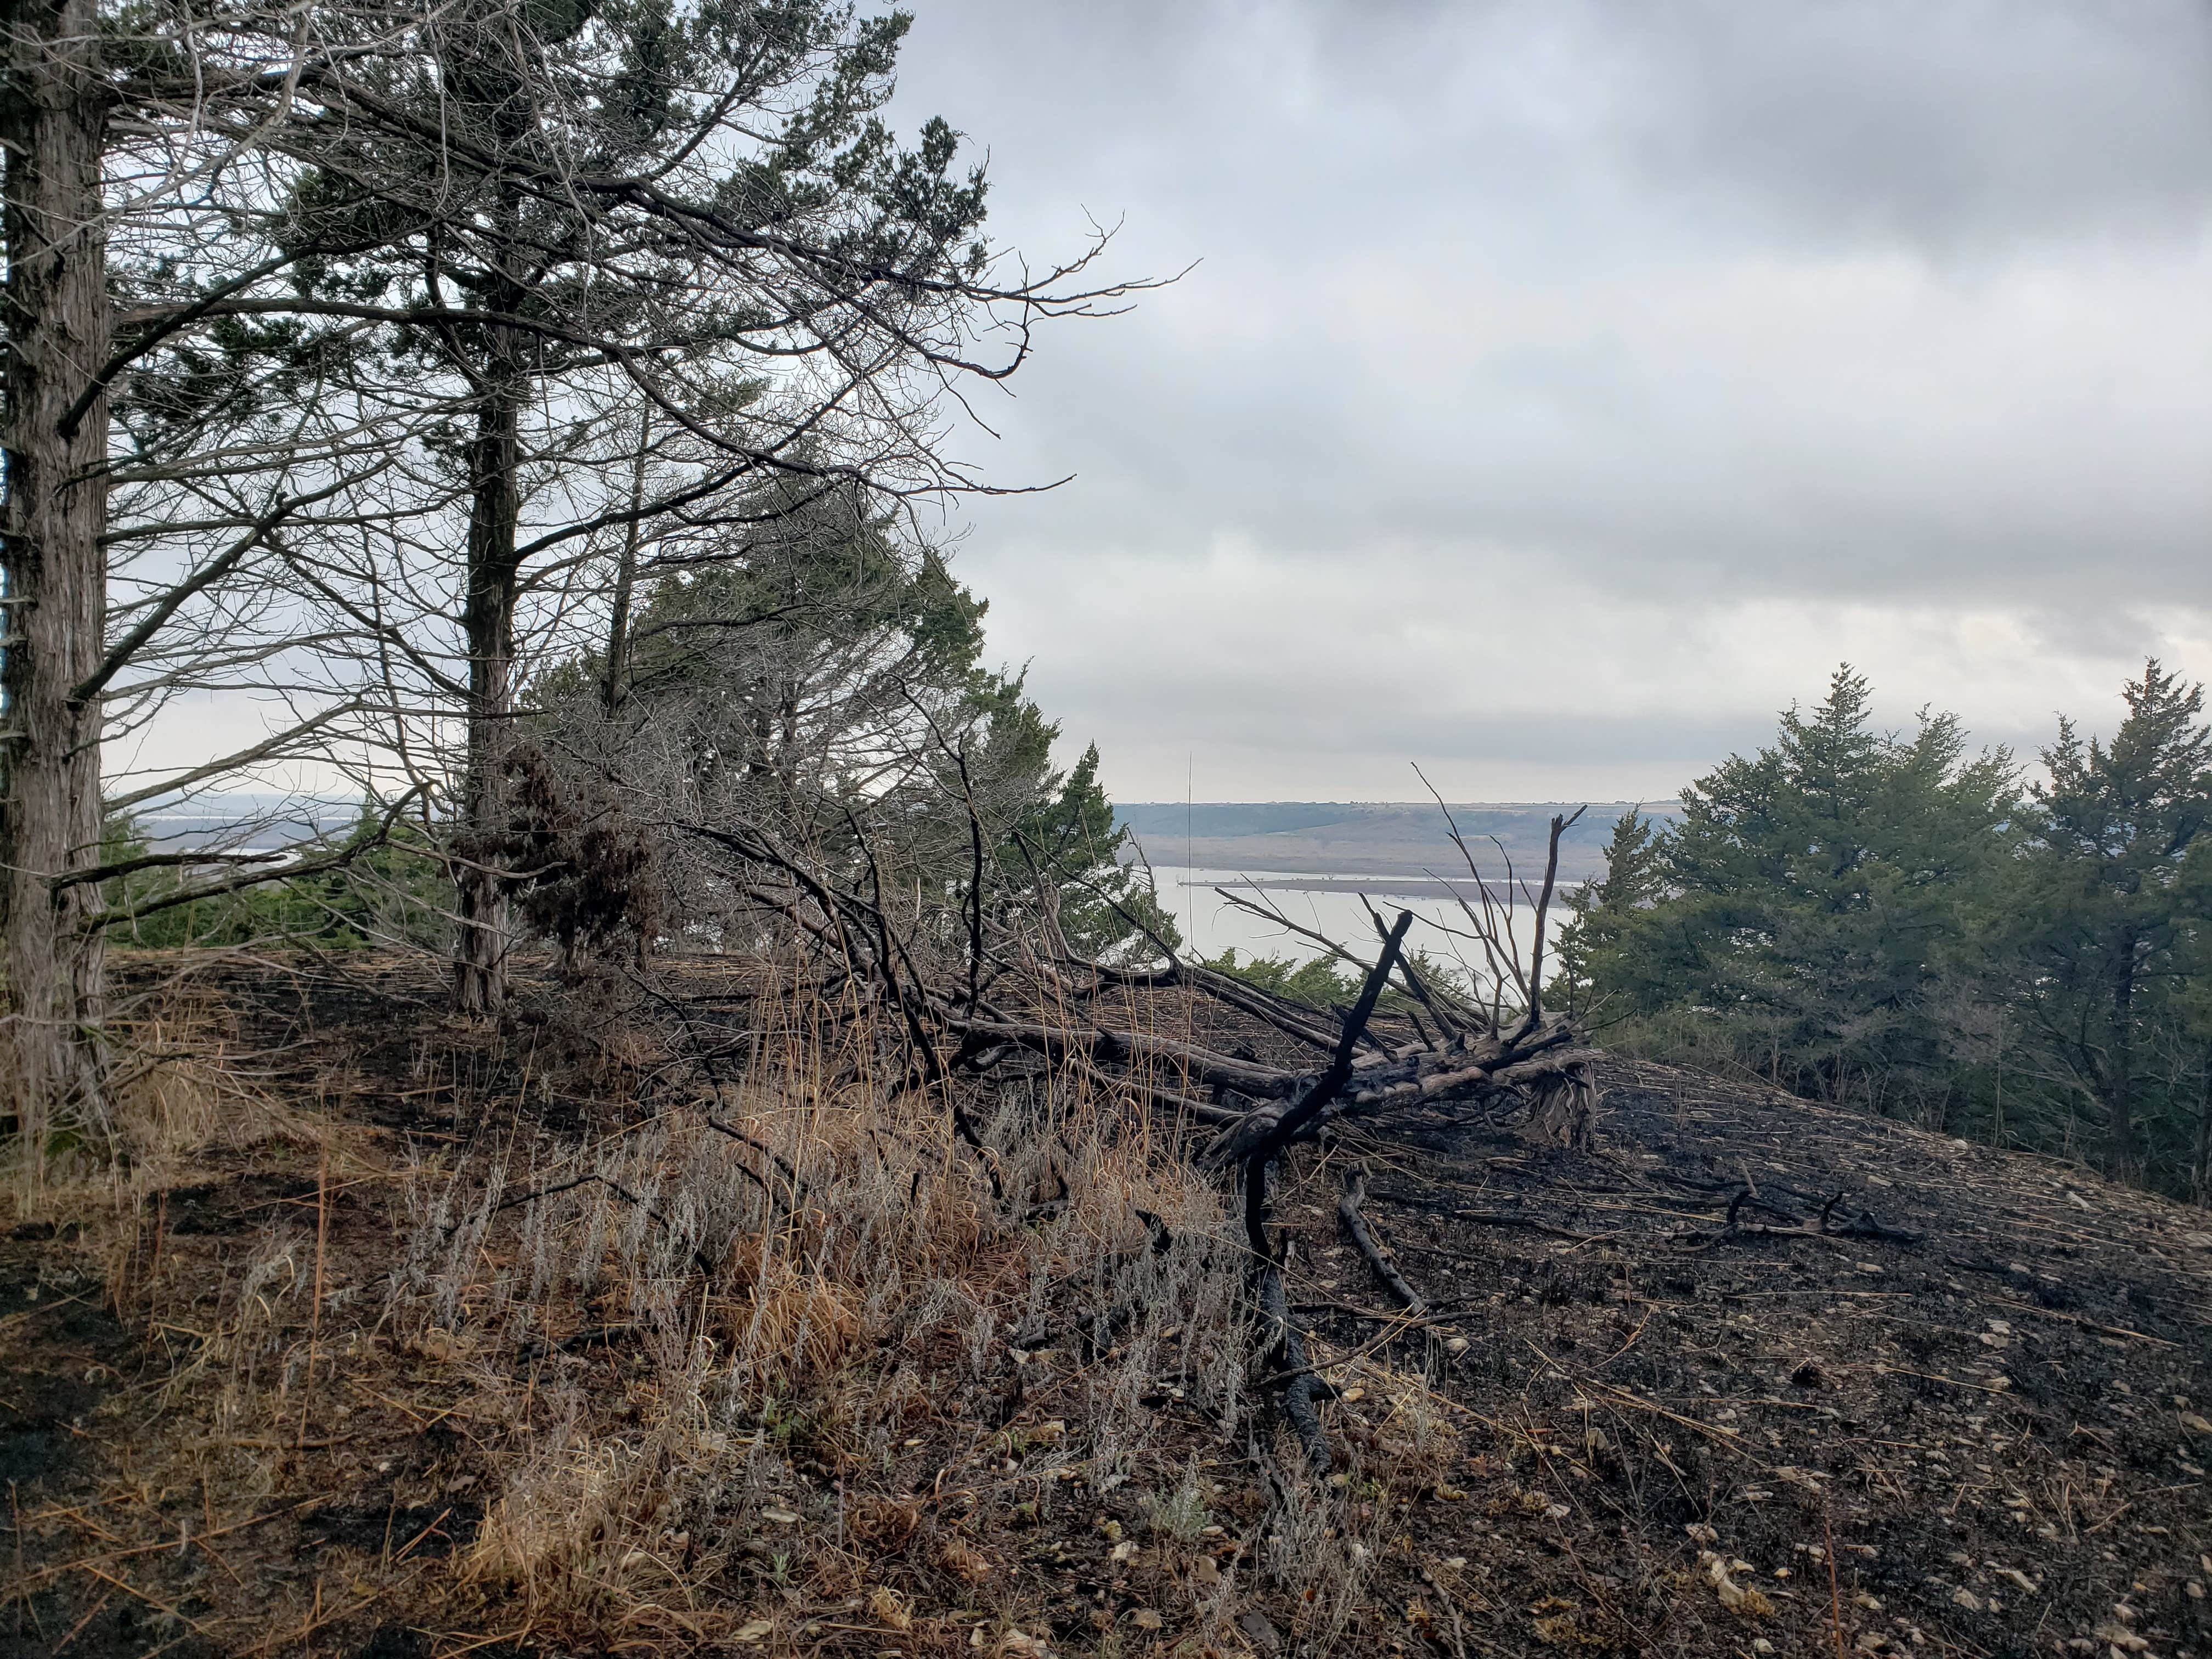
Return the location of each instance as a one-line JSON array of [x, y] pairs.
[[1603, 914], [2113, 895], [1069, 838], [814, 673], [627, 263], [1802, 917]]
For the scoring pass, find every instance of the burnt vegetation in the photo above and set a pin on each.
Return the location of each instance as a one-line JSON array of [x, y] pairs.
[[705, 1317], [717, 1146], [895, 1276]]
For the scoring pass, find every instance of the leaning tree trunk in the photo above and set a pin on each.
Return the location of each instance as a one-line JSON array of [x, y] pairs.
[[480, 947], [58, 328]]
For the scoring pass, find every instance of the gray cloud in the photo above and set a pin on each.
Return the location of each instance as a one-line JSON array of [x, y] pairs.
[[1956, 127], [1886, 318]]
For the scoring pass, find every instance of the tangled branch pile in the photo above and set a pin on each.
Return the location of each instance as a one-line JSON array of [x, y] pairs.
[[983, 991]]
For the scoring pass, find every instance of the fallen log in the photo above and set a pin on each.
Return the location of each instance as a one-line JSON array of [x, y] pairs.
[[1466, 1071]]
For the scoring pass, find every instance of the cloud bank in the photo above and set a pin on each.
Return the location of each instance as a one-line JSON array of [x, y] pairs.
[[1565, 387]]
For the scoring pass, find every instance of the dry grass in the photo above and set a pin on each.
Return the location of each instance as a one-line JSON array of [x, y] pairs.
[[181, 1089], [803, 1380], [804, 1305], [397, 1333]]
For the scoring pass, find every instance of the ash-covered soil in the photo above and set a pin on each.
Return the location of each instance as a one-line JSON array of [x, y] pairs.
[[1989, 1418], [1977, 1425]]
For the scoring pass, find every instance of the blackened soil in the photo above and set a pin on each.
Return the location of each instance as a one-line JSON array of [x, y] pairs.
[[60, 1351], [1987, 1411]]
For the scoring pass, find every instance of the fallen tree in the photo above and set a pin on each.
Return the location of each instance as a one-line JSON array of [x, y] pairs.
[[972, 986], [1011, 989]]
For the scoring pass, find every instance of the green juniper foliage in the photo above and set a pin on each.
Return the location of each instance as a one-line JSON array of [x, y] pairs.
[[1320, 982], [1603, 913], [1889, 921], [822, 674], [393, 891], [2107, 930], [1068, 835], [1331, 982]]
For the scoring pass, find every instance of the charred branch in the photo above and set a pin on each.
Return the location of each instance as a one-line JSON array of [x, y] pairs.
[[1734, 1228], [1362, 1234]]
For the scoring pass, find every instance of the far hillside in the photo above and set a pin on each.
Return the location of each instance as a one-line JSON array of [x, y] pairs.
[[1359, 838]]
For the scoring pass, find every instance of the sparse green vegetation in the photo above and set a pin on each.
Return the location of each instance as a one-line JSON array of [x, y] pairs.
[[1318, 982], [392, 888]]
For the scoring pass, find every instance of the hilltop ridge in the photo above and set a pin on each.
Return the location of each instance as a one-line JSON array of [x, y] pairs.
[[1750, 1375]]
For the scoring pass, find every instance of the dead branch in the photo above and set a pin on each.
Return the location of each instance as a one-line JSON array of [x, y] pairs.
[[1284, 1354], [1362, 1234], [1298, 1391], [1733, 1227], [1317, 1097]]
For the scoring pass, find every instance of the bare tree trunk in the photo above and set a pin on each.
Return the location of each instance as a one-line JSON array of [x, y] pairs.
[[2200, 1174], [58, 333], [481, 946], [616, 679], [2121, 1154]]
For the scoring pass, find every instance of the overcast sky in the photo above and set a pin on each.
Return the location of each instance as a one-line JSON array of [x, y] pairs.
[[1566, 387]]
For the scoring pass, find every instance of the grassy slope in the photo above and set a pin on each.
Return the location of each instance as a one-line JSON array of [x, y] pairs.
[[304, 1378]]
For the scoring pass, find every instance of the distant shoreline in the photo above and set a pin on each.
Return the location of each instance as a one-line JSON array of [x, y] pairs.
[[1322, 845], [1284, 865], [1381, 885]]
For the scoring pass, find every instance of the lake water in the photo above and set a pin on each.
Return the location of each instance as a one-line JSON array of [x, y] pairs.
[[1330, 905]]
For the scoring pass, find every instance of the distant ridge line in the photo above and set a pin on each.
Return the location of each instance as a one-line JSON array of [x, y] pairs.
[[1350, 839]]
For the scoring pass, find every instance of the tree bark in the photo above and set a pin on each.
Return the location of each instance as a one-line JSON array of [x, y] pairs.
[[59, 327], [491, 74], [480, 949], [616, 680]]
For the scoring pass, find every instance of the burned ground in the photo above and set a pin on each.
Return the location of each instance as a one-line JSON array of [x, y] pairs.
[[1987, 1417], [1969, 1418]]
